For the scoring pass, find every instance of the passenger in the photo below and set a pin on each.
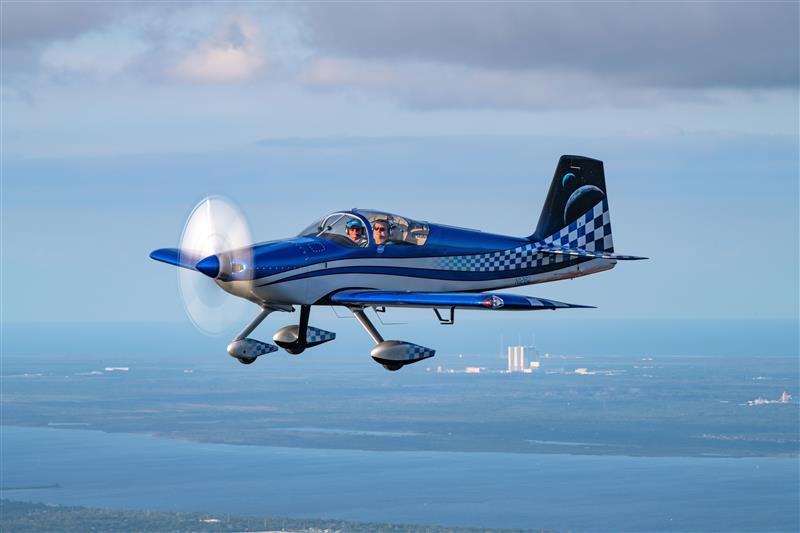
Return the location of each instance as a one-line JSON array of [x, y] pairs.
[[380, 231], [355, 231]]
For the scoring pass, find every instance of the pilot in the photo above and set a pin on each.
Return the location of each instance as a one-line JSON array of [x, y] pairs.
[[355, 231], [380, 231]]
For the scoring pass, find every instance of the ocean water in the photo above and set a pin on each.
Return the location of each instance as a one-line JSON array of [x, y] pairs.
[[563, 492]]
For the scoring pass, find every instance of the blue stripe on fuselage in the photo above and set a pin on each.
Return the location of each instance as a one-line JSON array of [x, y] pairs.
[[449, 275]]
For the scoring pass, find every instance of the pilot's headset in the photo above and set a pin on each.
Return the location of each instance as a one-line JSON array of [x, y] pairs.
[[355, 224]]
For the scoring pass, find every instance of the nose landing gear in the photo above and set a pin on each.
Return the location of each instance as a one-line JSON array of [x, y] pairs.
[[295, 339]]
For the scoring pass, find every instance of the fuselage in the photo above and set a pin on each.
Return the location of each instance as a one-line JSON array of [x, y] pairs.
[[309, 268]]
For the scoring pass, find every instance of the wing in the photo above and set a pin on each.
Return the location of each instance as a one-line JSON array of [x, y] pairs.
[[580, 252], [460, 300]]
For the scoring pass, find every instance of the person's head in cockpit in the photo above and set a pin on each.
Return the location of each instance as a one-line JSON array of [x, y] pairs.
[[355, 231], [380, 231]]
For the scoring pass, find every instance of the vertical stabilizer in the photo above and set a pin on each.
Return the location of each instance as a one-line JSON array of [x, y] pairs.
[[575, 213]]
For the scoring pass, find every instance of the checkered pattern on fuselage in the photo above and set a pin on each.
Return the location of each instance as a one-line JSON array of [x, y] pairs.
[[590, 232]]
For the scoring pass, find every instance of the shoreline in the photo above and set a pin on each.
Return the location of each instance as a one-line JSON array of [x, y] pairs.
[[376, 449]]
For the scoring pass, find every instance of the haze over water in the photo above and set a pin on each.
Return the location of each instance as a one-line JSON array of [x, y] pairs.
[[648, 442]]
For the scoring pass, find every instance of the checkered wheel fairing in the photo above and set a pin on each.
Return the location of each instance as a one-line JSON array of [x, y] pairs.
[[415, 352], [250, 348], [400, 352], [318, 335]]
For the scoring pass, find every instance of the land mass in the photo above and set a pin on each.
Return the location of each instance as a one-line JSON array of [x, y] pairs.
[[37, 517], [637, 406]]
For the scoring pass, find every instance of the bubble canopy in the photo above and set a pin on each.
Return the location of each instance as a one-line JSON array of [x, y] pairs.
[[384, 229]]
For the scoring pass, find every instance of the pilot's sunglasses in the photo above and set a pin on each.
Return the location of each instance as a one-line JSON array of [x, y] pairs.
[[381, 229]]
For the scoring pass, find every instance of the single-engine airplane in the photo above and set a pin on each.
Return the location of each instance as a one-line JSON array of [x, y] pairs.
[[364, 258]]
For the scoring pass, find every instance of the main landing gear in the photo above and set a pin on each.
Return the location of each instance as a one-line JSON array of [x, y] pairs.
[[392, 355], [247, 350], [293, 339]]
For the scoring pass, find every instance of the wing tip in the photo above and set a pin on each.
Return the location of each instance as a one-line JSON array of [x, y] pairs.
[[563, 305], [166, 255]]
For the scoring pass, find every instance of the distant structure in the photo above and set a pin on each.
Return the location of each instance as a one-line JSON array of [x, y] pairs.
[[472, 370], [517, 359], [785, 398]]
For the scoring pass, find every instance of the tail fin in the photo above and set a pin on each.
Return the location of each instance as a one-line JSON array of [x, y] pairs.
[[575, 213]]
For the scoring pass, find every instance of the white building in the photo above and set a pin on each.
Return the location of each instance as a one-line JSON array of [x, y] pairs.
[[516, 358]]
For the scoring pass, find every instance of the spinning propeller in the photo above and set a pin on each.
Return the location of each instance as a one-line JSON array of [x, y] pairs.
[[215, 242]]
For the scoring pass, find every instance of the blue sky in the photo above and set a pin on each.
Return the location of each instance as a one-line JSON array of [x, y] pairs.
[[117, 119]]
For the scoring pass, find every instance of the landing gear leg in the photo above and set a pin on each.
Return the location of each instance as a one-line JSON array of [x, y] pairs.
[[265, 312], [381, 345], [247, 350], [295, 339], [302, 331], [392, 355], [367, 325]]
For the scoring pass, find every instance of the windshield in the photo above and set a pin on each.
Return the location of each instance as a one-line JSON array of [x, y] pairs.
[[343, 229], [312, 230], [394, 229]]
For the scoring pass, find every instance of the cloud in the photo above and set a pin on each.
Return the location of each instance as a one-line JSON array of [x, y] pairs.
[[540, 55], [674, 45], [101, 55], [427, 85], [30, 27], [24, 23], [234, 54]]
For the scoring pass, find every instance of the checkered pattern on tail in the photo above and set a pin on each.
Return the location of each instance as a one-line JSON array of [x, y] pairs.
[[590, 232]]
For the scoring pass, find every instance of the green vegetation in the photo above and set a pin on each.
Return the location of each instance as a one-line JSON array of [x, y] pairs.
[[21, 517]]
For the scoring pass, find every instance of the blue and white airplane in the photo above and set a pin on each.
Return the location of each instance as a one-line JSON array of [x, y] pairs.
[[364, 258]]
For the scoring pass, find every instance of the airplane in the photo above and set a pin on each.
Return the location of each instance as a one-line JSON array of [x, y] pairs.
[[364, 258]]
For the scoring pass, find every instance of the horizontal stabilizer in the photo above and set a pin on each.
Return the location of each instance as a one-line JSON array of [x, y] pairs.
[[460, 300], [580, 252], [173, 256]]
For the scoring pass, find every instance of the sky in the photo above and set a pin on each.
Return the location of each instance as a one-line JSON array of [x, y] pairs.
[[117, 118]]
